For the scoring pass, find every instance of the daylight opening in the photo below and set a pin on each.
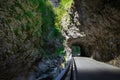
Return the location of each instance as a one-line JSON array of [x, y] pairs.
[[76, 50]]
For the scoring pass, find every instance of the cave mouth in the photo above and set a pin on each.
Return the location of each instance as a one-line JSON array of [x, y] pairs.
[[78, 50]]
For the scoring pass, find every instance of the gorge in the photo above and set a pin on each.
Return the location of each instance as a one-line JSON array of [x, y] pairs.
[[37, 37]]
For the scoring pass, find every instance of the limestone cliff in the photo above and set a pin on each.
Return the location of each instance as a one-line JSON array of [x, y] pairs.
[[95, 27]]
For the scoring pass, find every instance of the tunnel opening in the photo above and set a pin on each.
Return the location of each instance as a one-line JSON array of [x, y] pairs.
[[82, 50], [78, 50]]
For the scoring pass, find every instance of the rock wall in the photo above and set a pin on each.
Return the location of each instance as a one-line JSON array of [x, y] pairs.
[[95, 27], [27, 33]]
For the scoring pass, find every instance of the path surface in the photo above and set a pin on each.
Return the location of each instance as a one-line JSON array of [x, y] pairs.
[[89, 69]]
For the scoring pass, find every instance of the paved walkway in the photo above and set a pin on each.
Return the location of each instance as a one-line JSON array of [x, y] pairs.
[[89, 69]]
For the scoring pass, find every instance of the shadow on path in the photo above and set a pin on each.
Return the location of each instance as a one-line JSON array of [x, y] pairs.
[[88, 69]]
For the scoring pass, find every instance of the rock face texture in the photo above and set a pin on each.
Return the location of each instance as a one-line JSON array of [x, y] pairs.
[[26, 34], [95, 27]]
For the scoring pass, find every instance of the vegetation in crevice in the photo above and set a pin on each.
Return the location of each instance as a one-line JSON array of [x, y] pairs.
[[27, 33], [62, 11]]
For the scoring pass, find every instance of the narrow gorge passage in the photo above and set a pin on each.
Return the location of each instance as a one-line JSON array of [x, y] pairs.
[[39, 37]]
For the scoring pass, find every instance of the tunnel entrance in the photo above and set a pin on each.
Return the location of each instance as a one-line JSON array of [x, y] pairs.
[[77, 47], [76, 50]]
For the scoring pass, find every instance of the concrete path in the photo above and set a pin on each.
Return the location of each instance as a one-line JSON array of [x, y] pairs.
[[89, 69]]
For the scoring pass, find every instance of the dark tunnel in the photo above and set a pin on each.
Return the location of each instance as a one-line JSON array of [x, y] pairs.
[[78, 50]]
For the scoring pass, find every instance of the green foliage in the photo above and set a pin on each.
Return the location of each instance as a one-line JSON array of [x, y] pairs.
[[75, 49], [26, 13], [59, 51], [61, 11], [37, 17], [65, 4], [54, 33], [25, 25], [46, 14]]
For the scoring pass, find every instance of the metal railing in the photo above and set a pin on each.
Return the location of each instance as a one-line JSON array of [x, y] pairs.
[[69, 73], [63, 73]]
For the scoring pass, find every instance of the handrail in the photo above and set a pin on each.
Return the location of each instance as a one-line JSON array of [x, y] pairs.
[[61, 75], [71, 74], [68, 74], [74, 69]]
